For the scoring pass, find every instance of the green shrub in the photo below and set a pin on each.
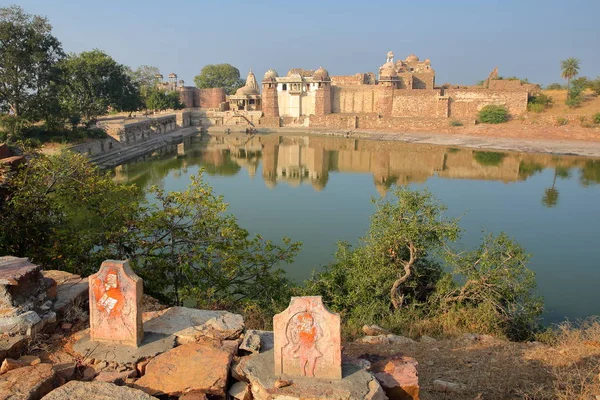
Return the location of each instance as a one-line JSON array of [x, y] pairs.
[[455, 123], [596, 118], [561, 121], [574, 101], [493, 114], [555, 86]]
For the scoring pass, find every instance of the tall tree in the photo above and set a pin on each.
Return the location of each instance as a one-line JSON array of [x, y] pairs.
[[93, 82], [569, 69], [219, 76], [29, 54], [145, 78]]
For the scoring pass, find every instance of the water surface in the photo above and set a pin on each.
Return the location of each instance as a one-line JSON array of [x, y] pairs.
[[318, 190]]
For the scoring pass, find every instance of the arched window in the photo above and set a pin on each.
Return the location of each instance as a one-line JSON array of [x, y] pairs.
[[284, 86]]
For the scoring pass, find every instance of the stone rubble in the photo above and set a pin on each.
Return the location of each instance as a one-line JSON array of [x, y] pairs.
[[76, 390]]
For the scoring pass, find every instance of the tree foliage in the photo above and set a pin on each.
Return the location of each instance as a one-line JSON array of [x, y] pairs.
[[28, 57], [62, 212], [219, 76], [160, 100], [145, 79], [93, 82]]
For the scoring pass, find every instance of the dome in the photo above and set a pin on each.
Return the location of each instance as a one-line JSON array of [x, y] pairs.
[[427, 61], [271, 74], [172, 75], [412, 58], [181, 81], [246, 91], [321, 75], [388, 69]]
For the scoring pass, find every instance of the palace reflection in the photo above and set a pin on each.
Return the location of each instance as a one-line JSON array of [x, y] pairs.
[[304, 159]]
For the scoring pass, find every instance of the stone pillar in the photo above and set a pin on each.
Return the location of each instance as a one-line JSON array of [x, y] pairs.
[[385, 101], [323, 100], [270, 107], [115, 304], [307, 340]]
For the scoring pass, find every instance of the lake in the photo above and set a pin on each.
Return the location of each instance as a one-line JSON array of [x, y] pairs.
[[318, 190]]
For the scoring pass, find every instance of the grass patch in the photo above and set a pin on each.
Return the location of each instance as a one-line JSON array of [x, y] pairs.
[[455, 123]]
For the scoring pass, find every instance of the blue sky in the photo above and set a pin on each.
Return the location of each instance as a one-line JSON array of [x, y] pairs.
[[465, 39]]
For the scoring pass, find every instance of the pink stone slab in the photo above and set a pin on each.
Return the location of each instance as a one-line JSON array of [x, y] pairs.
[[115, 304], [308, 340]]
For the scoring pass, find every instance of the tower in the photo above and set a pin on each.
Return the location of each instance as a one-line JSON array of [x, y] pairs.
[[270, 106]]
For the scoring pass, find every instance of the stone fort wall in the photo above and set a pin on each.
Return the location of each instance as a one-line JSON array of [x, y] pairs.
[[464, 103]]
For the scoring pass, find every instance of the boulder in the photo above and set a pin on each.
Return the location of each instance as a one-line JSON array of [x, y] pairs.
[[398, 377], [189, 324], [427, 339], [27, 382], [356, 383], [9, 364], [76, 390], [192, 367], [240, 391], [374, 330]]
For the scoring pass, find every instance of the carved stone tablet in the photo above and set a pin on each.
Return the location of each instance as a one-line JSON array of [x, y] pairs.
[[308, 340], [115, 299]]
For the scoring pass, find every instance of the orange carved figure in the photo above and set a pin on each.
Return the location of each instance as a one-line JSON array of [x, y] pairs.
[[303, 334], [108, 294]]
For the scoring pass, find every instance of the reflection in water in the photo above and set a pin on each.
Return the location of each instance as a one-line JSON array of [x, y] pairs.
[[304, 159], [317, 189]]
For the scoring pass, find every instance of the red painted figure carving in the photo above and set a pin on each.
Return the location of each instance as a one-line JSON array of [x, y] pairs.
[[108, 293], [303, 335]]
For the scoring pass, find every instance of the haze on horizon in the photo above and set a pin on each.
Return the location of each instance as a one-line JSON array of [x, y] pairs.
[[464, 39]]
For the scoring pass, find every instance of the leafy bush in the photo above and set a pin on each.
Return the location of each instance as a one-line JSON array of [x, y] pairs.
[[555, 86], [455, 122], [574, 102], [395, 278], [493, 114], [536, 108], [596, 118]]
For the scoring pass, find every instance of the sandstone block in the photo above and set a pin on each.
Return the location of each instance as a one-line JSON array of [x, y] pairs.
[[398, 377], [308, 340], [192, 367], [240, 391], [76, 390], [115, 302], [374, 330], [27, 382], [71, 290]]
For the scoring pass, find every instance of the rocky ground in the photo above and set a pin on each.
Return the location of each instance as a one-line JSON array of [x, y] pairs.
[[214, 358]]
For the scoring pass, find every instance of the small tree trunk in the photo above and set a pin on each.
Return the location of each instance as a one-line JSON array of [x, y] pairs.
[[407, 273]]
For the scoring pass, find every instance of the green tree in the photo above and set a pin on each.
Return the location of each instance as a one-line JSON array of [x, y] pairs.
[[219, 76], [62, 213], [159, 100], [145, 78], [569, 69], [28, 58], [93, 82], [188, 249]]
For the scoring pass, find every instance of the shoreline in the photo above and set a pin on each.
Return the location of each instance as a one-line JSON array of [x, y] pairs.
[[586, 147]]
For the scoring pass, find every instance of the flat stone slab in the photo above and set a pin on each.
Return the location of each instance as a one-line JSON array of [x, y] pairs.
[[76, 390], [190, 324], [14, 269], [153, 344], [356, 383]]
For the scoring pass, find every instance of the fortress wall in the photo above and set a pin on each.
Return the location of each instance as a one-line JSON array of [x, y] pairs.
[[417, 103], [354, 99], [466, 103], [210, 98], [379, 122]]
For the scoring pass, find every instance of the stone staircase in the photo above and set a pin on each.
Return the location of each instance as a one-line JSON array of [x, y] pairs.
[[118, 156]]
